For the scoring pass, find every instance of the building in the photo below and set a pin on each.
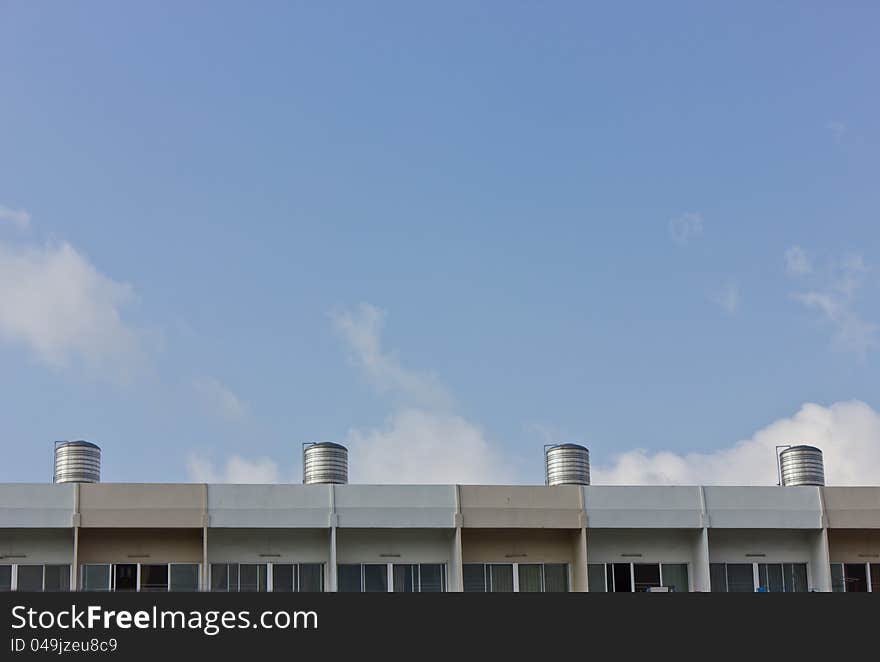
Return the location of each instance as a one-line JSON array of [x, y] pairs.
[[325, 537]]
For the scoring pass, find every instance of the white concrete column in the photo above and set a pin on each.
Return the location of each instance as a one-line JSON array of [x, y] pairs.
[[579, 575], [204, 578], [332, 575], [820, 563], [701, 581], [456, 572]]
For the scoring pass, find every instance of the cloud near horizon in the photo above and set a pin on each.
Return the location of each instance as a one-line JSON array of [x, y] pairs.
[[237, 469], [848, 433]]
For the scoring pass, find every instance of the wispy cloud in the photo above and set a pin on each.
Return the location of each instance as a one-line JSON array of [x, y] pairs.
[[796, 262], [686, 228], [57, 304], [834, 298], [17, 217], [847, 432], [362, 330], [728, 299], [236, 470], [220, 399]]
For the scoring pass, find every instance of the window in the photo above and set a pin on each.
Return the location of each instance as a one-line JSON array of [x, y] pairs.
[[855, 577], [96, 577], [125, 577], [432, 577], [418, 577], [252, 577], [838, 585], [875, 577], [749, 577], [349, 578], [531, 578], [621, 575], [645, 576], [596, 577], [626, 577], [234, 577], [501, 578], [375, 578], [675, 576], [555, 578], [283, 577], [474, 575], [184, 577], [311, 578], [30, 578], [154, 578], [5, 577]]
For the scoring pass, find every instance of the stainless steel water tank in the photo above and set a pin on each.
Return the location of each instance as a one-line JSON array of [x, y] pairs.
[[77, 462], [566, 464], [802, 465], [325, 462]]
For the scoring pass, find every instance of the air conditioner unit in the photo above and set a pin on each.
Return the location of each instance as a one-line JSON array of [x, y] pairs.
[[659, 589]]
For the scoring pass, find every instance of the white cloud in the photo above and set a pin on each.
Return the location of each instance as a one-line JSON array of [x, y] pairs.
[[236, 470], [837, 129], [847, 432], [835, 300], [728, 299], [56, 303], [17, 217], [686, 227], [423, 440], [220, 399], [796, 262], [362, 330], [423, 447]]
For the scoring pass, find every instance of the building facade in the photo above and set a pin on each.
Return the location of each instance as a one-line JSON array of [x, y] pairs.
[[191, 537]]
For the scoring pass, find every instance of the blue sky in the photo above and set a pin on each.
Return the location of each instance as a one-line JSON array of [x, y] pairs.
[[446, 232]]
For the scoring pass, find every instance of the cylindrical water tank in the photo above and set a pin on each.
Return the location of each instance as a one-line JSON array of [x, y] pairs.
[[325, 462], [566, 464], [802, 465], [77, 462]]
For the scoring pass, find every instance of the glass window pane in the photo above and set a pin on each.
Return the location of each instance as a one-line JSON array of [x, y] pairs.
[[795, 577], [675, 576], [404, 579], [622, 578], [5, 577], [57, 578], [432, 578], [556, 577], [349, 577], [252, 577], [474, 577], [740, 578], [837, 583], [125, 577], [184, 577], [311, 577], [646, 575], [282, 577], [96, 577], [718, 577], [875, 577], [596, 577], [30, 578], [219, 577], [856, 577], [154, 578], [375, 578], [531, 578], [501, 578], [770, 577]]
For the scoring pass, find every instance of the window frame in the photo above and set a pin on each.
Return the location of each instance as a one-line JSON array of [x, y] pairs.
[[487, 574]]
